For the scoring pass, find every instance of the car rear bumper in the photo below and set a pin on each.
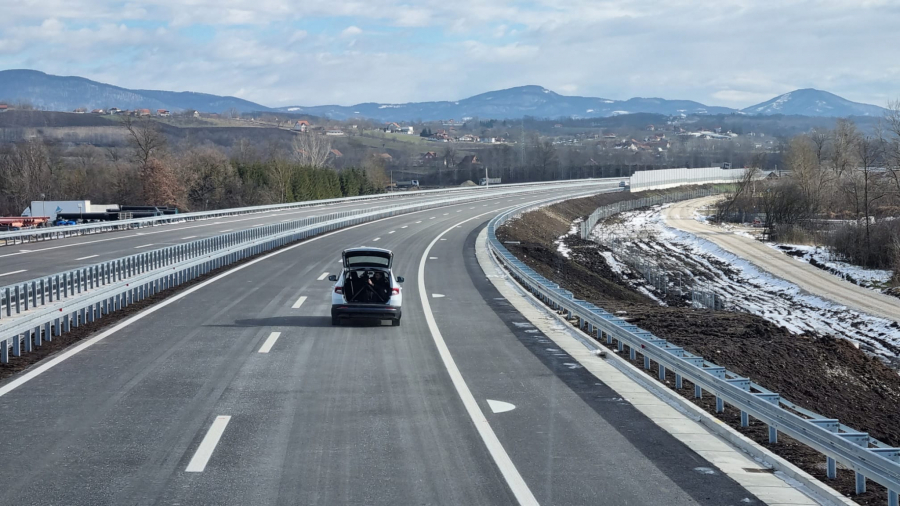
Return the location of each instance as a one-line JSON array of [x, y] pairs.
[[380, 311]]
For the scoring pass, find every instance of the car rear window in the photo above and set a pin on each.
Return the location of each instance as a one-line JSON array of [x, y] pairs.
[[368, 260]]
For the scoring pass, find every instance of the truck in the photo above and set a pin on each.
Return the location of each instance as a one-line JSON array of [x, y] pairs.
[[489, 180], [412, 183]]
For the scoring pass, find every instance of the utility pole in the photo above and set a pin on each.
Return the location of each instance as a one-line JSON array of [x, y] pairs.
[[487, 181]]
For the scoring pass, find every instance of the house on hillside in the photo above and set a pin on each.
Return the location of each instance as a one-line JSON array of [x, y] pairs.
[[467, 138], [469, 162], [334, 132], [4, 107], [384, 156], [301, 125], [113, 111], [80, 110], [143, 112], [162, 113], [336, 153], [98, 111]]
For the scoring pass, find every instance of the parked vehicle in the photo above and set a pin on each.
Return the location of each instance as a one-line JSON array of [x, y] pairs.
[[488, 180], [366, 287]]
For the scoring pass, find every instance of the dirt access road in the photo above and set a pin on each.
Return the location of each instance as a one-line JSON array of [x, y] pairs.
[[807, 277]]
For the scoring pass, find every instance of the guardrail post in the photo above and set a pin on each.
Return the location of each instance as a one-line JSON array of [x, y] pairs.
[[646, 362], [4, 351], [17, 345], [47, 335]]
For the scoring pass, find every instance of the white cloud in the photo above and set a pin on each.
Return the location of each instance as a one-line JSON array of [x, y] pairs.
[[730, 52], [351, 31]]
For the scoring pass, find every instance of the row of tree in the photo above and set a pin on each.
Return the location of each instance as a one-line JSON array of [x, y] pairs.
[[841, 188], [189, 177]]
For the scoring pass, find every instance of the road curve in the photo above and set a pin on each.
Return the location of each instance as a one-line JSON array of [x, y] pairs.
[[238, 392], [804, 275]]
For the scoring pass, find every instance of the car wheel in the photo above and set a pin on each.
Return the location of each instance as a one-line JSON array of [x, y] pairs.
[[395, 323]]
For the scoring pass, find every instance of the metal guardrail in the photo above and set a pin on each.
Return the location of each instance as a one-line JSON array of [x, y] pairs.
[[62, 301], [857, 451], [47, 233]]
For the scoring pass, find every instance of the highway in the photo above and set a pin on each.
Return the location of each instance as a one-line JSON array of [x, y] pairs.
[[238, 392], [27, 261], [802, 274]]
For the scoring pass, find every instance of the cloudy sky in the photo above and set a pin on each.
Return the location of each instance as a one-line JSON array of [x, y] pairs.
[[312, 52]]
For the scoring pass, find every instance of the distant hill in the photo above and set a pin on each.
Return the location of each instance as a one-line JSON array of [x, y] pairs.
[[59, 93], [810, 102], [67, 93], [511, 103]]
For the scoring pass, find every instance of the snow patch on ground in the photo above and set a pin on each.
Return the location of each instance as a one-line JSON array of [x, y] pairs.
[[692, 263], [561, 243], [875, 279]]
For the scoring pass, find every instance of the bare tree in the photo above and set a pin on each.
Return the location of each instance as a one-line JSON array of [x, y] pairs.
[[145, 138], [891, 141], [869, 151], [311, 150]]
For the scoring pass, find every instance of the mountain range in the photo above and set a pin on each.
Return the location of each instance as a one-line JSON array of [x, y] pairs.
[[66, 93]]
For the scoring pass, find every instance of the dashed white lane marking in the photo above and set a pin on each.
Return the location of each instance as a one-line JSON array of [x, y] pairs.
[[392, 231], [459, 211], [433, 217], [404, 226], [299, 302], [270, 341], [437, 295], [208, 445], [445, 214], [504, 463], [432, 258], [446, 239], [24, 251], [323, 276], [257, 225], [500, 406], [71, 352], [144, 246], [89, 256], [229, 230], [418, 222], [13, 272], [376, 239], [188, 237], [285, 221]]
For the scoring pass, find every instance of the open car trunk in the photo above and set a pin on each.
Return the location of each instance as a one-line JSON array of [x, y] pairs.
[[361, 286]]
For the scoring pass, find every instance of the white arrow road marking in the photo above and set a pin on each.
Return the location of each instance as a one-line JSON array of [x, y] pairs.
[[299, 302], [270, 341], [437, 295], [208, 445], [500, 406], [323, 276]]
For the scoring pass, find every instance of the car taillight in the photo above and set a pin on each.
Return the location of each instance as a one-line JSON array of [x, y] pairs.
[[339, 290], [395, 291]]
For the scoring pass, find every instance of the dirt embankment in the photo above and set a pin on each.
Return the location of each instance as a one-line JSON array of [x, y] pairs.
[[829, 376]]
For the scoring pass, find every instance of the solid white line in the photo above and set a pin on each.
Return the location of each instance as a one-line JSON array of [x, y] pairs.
[[299, 302], [188, 237], [144, 246], [270, 341], [323, 276], [208, 445], [13, 272], [498, 453], [71, 352], [85, 258]]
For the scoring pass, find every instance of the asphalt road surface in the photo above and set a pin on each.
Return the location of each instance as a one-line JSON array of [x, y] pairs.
[[806, 276], [32, 260], [226, 394]]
